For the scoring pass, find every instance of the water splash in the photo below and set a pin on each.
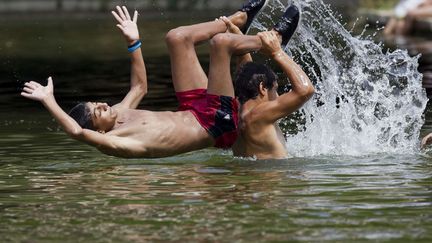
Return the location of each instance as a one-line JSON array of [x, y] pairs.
[[366, 101]]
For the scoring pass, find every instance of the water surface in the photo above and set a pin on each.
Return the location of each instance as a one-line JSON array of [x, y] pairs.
[[54, 189]]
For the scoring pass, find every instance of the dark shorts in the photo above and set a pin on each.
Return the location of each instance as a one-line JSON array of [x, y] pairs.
[[216, 114]]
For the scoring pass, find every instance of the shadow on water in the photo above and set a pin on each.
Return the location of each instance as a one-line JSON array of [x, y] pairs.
[[90, 80]]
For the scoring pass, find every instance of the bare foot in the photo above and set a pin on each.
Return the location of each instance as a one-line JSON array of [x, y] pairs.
[[239, 19]]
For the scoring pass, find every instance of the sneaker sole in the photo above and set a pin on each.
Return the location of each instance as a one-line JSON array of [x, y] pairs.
[[256, 16]]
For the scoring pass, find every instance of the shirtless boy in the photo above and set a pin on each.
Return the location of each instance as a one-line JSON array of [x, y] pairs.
[[256, 88], [207, 113]]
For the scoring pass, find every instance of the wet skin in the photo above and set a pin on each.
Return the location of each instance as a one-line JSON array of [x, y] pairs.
[[179, 132]]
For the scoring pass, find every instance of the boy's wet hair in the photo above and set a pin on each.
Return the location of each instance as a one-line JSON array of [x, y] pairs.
[[249, 78], [82, 115]]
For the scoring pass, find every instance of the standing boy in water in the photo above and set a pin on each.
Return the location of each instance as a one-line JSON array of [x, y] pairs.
[[207, 113], [256, 89]]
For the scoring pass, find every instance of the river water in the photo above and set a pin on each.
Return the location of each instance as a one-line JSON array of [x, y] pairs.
[[55, 189]]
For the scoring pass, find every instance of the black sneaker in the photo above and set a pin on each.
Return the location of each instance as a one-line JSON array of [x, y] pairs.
[[252, 8], [287, 25]]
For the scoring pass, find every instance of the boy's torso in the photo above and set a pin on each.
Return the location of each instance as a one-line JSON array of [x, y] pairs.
[[162, 133], [259, 140]]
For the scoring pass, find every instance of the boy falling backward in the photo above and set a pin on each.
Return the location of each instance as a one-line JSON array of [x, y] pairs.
[[124, 131], [207, 112]]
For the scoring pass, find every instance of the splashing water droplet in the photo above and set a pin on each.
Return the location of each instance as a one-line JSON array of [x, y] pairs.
[[366, 101]]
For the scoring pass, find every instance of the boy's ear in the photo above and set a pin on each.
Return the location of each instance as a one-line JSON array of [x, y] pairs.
[[262, 90]]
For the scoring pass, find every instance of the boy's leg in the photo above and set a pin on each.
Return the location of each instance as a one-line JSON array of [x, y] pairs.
[[223, 46], [187, 73]]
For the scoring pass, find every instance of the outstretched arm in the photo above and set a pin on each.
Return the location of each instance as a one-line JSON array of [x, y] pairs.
[[302, 88], [128, 27], [45, 94]]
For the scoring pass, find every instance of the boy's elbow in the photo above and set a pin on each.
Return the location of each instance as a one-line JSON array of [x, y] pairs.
[[75, 133], [141, 89], [310, 91], [307, 93]]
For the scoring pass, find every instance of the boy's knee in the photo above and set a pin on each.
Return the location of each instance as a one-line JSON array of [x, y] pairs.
[[177, 35], [220, 41]]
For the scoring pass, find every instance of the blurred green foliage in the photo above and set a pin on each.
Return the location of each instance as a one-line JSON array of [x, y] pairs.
[[105, 4], [188, 4], [378, 4]]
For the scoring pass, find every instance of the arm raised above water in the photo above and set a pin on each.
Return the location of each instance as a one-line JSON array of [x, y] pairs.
[[302, 88], [128, 27]]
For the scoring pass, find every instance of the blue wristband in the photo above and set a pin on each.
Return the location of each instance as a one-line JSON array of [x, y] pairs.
[[135, 46]]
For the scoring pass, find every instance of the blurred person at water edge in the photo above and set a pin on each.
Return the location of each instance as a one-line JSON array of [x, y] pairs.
[[426, 141], [406, 13], [256, 89], [207, 114]]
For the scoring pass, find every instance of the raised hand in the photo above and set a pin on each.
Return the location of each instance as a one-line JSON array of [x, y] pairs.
[[270, 43], [127, 25], [35, 91]]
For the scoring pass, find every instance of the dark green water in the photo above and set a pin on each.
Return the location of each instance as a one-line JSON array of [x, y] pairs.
[[54, 189]]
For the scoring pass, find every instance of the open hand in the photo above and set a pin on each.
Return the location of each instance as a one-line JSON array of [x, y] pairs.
[[35, 91], [127, 25], [270, 43]]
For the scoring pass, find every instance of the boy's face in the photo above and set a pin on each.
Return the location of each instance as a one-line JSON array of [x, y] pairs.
[[103, 116]]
